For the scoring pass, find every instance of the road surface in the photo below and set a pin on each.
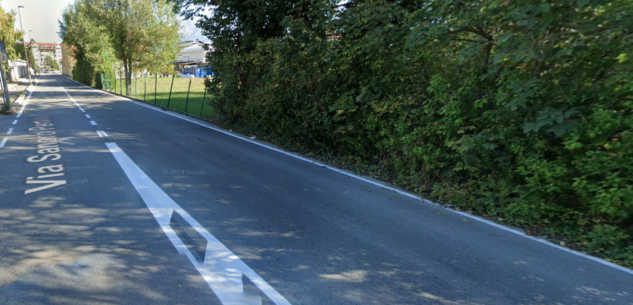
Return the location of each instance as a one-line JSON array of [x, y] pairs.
[[107, 201]]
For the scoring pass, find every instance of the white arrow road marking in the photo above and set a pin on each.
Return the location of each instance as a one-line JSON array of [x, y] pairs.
[[221, 269]]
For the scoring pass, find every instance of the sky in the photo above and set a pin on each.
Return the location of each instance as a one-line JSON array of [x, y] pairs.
[[41, 16]]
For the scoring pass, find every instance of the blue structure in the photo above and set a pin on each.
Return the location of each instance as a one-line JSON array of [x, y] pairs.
[[198, 72]]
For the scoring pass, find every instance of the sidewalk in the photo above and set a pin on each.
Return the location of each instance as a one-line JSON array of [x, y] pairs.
[[15, 90]]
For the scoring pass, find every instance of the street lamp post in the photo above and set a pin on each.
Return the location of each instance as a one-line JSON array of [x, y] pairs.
[[28, 72], [31, 47]]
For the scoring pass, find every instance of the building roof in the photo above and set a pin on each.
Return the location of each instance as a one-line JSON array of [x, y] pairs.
[[43, 44], [193, 48]]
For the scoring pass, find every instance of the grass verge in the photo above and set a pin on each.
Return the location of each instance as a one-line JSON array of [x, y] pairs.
[[156, 91]]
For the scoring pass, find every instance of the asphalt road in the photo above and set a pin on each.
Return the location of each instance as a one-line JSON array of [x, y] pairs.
[[106, 201]]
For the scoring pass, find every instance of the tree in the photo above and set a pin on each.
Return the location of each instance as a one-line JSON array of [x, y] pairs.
[[136, 33], [21, 54], [32, 58], [89, 41], [143, 32], [8, 34], [520, 110], [51, 63]]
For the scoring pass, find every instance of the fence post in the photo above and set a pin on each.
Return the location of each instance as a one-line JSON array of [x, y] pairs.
[[145, 89], [155, 84], [203, 98], [170, 88], [135, 86], [187, 102]]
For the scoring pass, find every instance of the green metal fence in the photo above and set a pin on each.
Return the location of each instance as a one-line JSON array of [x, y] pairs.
[[186, 95]]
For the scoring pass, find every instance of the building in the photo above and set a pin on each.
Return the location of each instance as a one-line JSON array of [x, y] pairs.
[[43, 49], [192, 55], [17, 70], [68, 60], [192, 52]]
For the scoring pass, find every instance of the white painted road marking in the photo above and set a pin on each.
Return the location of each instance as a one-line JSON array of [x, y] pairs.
[[221, 269], [71, 98], [4, 141], [87, 116], [48, 147], [15, 122], [102, 133], [31, 89], [382, 185], [10, 131], [93, 123]]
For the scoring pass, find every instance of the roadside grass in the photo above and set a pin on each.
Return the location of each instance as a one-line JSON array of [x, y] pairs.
[[143, 89]]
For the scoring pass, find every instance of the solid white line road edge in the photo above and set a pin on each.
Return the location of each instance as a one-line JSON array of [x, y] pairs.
[[376, 183], [220, 264]]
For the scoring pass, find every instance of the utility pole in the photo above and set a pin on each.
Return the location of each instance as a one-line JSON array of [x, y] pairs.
[[29, 52], [28, 72]]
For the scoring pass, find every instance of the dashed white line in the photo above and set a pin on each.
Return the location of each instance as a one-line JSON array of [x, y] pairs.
[[71, 98], [4, 141], [87, 116], [93, 123], [102, 133], [15, 122], [10, 131], [221, 269]]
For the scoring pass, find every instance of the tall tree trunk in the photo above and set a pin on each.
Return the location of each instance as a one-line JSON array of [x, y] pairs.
[[128, 78]]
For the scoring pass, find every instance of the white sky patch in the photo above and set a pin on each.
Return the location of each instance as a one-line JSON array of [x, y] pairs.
[[41, 16]]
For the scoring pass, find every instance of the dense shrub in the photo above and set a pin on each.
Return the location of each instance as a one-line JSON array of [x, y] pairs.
[[520, 110]]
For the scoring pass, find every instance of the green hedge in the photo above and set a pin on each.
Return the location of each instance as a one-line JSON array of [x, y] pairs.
[[519, 110]]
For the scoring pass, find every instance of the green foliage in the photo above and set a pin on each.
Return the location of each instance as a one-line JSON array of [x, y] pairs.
[[51, 63], [131, 34], [89, 42], [21, 54], [520, 110], [9, 35]]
